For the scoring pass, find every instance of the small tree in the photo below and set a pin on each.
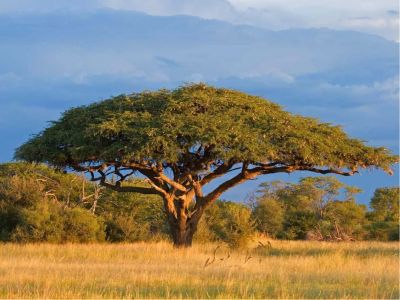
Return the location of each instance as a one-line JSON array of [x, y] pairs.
[[268, 214], [384, 216], [183, 139], [385, 204]]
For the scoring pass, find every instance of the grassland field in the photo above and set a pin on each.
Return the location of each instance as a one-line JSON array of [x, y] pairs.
[[287, 269]]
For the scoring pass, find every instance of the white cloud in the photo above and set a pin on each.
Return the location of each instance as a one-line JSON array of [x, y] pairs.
[[371, 16], [209, 9]]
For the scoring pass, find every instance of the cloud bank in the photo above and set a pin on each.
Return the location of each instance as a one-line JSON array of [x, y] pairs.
[[370, 16]]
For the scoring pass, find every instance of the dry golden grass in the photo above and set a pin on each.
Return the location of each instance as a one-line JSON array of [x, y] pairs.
[[156, 270]]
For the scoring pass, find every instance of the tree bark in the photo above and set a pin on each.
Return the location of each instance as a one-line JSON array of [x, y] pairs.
[[183, 224], [182, 237]]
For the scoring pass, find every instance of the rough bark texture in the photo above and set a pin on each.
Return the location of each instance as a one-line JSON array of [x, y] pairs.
[[182, 222]]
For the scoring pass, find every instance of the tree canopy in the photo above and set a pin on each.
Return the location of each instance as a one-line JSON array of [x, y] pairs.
[[193, 126], [184, 138]]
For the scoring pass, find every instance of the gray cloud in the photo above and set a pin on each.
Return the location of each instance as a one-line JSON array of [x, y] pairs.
[[371, 16], [208, 9]]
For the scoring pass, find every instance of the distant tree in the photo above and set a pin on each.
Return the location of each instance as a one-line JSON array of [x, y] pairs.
[[345, 220], [317, 207], [384, 214], [268, 211], [183, 139], [385, 204]]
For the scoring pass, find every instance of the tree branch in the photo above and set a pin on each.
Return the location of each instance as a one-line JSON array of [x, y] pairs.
[[171, 182], [157, 188], [129, 189], [292, 168], [239, 178], [218, 172], [247, 174]]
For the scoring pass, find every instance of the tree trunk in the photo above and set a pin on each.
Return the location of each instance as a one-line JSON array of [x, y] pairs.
[[182, 237], [182, 233], [183, 225]]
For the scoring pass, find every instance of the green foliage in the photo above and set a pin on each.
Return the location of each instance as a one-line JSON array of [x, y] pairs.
[[133, 217], [269, 216], [385, 204], [49, 223], [384, 231], [298, 224], [230, 222], [39, 204], [384, 216], [346, 219], [161, 125], [82, 226], [310, 209]]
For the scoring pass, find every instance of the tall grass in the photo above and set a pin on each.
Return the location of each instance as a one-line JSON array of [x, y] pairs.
[[156, 270]]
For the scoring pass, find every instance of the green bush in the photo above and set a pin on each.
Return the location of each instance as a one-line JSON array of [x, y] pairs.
[[42, 223], [39, 204], [10, 218], [133, 217], [268, 215], [48, 222], [383, 231], [298, 224], [82, 226], [230, 222], [127, 228]]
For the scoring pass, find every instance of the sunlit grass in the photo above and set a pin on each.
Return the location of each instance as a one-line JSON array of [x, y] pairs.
[[157, 270]]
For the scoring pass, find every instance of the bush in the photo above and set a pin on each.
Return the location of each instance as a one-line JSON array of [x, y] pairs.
[[39, 204], [127, 228], [298, 224], [133, 217], [48, 222], [268, 215], [383, 231], [230, 222], [82, 226], [42, 223]]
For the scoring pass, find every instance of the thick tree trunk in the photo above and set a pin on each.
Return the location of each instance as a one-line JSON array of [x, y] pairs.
[[182, 237], [183, 225], [182, 232]]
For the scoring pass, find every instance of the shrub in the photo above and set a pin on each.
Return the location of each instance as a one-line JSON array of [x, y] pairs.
[[42, 223], [383, 231], [230, 222], [82, 226], [39, 204], [268, 215], [297, 224]]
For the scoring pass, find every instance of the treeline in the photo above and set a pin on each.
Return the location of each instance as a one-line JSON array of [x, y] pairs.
[[40, 204], [323, 208]]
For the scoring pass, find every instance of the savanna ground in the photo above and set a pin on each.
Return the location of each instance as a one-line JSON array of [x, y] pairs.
[[288, 269]]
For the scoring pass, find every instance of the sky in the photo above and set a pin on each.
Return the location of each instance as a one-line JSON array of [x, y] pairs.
[[371, 16], [334, 60]]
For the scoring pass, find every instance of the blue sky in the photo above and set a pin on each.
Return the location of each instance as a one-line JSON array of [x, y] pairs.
[[334, 60]]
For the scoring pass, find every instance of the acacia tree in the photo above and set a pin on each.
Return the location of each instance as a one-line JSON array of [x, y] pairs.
[[183, 139]]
